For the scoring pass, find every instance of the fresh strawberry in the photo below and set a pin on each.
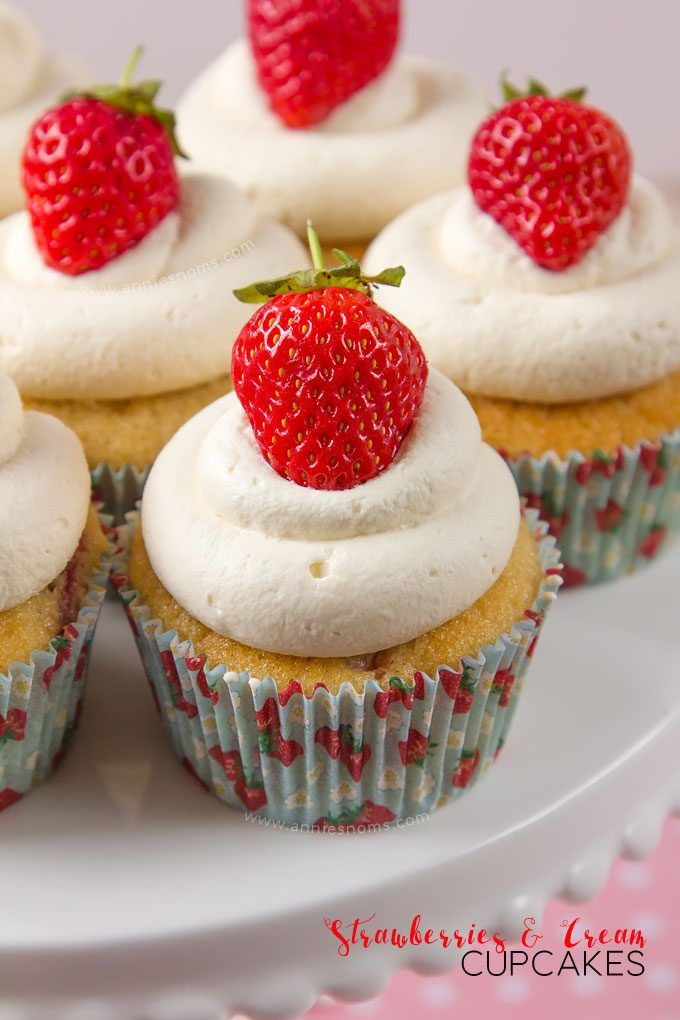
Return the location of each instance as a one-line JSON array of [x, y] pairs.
[[366, 814], [467, 767], [553, 172], [99, 173], [312, 55], [609, 517], [330, 382]]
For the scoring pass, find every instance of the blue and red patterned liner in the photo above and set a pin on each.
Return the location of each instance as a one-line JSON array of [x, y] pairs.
[[610, 515], [350, 761], [118, 490], [41, 700]]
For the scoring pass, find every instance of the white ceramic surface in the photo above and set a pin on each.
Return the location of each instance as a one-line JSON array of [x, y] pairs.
[[129, 893]]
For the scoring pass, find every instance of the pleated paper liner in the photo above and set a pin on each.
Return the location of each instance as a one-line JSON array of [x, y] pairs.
[[41, 700], [609, 515], [349, 760], [118, 489]]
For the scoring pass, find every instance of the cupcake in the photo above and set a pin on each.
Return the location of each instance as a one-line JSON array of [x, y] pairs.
[[52, 582], [547, 289], [116, 282], [314, 115], [30, 78], [331, 583]]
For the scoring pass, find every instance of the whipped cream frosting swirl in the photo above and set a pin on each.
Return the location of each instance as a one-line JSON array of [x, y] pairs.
[[501, 326], [401, 138], [44, 498], [159, 318], [306, 572], [30, 79]]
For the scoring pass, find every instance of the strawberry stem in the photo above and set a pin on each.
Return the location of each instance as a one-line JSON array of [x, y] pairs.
[[536, 88], [348, 274], [314, 246], [131, 67]]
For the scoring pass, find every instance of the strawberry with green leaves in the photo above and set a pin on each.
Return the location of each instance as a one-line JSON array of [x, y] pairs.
[[364, 815], [329, 381], [552, 171], [99, 173]]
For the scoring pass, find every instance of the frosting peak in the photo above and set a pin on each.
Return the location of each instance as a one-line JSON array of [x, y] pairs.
[[21, 56], [304, 571], [44, 498]]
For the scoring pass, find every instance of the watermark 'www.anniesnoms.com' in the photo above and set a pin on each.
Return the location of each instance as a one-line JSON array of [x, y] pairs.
[[339, 828], [181, 276]]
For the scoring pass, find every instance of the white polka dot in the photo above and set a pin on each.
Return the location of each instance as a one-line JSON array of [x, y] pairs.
[[513, 989], [651, 925], [633, 875], [587, 985], [438, 993], [661, 977]]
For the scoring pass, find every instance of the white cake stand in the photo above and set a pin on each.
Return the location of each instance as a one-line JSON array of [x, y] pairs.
[[128, 893]]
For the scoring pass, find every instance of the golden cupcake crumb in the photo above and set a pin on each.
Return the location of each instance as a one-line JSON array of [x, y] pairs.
[[32, 625], [130, 431], [492, 615], [587, 426]]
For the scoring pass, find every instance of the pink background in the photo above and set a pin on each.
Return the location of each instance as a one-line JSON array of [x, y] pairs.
[[641, 894]]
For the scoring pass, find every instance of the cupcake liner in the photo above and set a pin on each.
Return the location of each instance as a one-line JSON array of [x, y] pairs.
[[609, 515], [118, 489], [41, 700], [352, 760]]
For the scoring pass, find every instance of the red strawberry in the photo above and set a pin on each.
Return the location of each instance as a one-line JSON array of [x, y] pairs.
[[450, 681], [397, 691], [8, 796], [573, 577], [275, 746], [467, 767], [175, 685], [312, 55], [330, 382], [466, 692], [504, 681], [553, 172], [415, 749], [653, 460], [609, 516], [367, 814], [547, 509], [99, 173], [650, 546], [342, 744], [13, 727], [196, 664], [250, 791], [62, 646]]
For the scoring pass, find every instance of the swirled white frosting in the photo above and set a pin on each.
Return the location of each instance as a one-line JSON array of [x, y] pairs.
[[30, 79], [44, 498], [402, 138], [160, 317], [499, 325], [307, 572]]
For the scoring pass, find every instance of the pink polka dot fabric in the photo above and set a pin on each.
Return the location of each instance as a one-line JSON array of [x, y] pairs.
[[640, 894]]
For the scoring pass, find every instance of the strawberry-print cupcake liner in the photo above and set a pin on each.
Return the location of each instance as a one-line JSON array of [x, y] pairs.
[[350, 760], [118, 489], [609, 515], [41, 700]]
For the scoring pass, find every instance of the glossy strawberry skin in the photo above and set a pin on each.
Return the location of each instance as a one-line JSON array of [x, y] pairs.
[[313, 55], [553, 172], [97, 180], [330, 383]]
